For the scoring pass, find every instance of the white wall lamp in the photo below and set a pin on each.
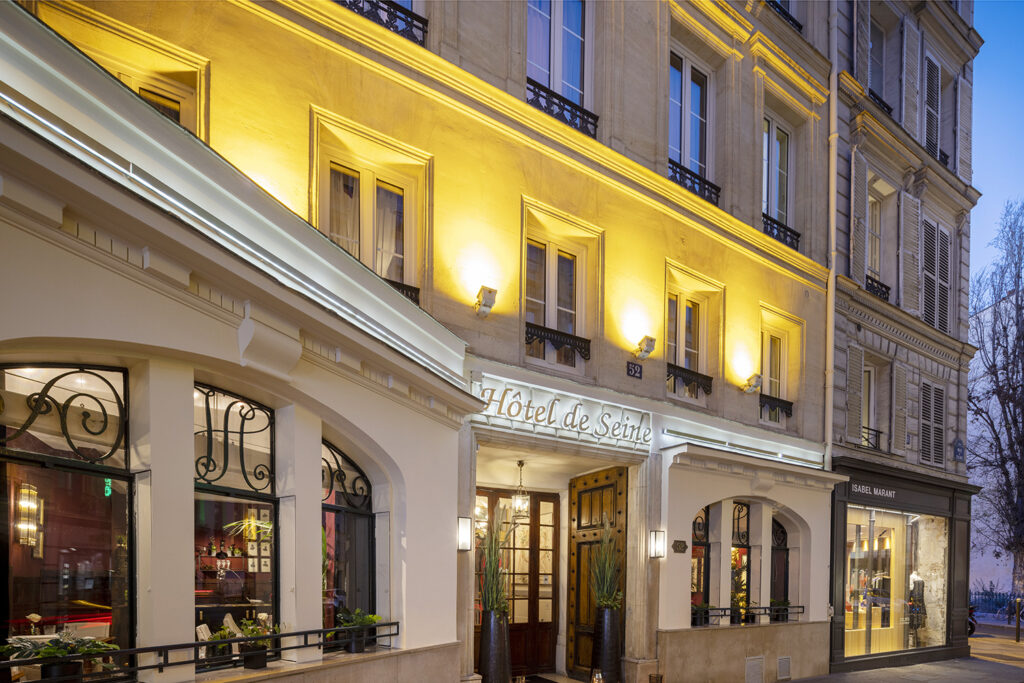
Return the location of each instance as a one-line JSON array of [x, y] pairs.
[[28, 515], [657, 548], [644, 348], [485, 301], [465, 533], [753, 384]]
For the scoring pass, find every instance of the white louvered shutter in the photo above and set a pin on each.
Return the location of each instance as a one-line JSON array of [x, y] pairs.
[[926, 423], [932, 101], [911, 75], [963, 124], [938, 426], [863, 28], [942, 283], [929, 260], [858, 215], [899, 408], [910, 227], [854, 387]]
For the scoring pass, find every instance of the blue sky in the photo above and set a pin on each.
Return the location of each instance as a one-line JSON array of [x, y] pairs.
[[998, 114]]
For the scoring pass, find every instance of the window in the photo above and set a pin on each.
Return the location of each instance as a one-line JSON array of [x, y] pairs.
[[876, 52], [775, 172], [555, 46], [550, 300], [935, 262], [933, 420], [867, 408], [780, 571], [739, 589], [700, 577], [688, 115], [874, 263], [367, 219], [932, 105], [683, 341], [773, 352]]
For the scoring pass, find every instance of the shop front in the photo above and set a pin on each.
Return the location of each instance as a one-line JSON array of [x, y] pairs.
[[899, 558]]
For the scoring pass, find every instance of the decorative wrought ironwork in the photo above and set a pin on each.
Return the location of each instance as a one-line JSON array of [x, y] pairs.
[[410, 292], [391, 16], [780, 231], [708, 616], [872, 438], [558, 339], [776, 403], [700, 526], [241, 418], [780, 537], [690, 377], [876, 287], [776, 612], [565, 110], [784, 13], [342, 472], [694, 182], [90, 415], [882, 104], [740, 524], [944, 158]]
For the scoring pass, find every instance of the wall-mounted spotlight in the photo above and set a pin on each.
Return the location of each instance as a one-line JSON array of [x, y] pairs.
[[657, 548], [465, 533], [753, 384], [644, 348], [485, 301]]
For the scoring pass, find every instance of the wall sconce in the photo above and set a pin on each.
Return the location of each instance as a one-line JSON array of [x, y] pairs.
[[521, 500], [658, 542], [465, 533], [485, 301], [28, 513], [644, 348], [752, 385]]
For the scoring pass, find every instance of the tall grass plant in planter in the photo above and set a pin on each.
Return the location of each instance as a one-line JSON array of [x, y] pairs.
[[495, 666], [605, 569]]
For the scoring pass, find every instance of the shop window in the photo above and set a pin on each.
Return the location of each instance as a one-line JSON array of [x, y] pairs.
[[64, 475], [235, 511], [780, 571], [739, 586], [895, 581], [700, 576], [348, 536]]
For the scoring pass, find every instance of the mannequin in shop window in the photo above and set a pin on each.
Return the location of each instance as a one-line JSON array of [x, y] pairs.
[[915, 605]]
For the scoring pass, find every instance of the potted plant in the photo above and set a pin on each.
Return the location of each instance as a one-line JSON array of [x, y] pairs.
[[359, 623], [605, 568], [779, 611], [63, 644], [699, 614], [254, 652], [217, 649], [495, 665]]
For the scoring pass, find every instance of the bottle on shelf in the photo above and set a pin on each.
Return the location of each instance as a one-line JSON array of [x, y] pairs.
[[212, 547]]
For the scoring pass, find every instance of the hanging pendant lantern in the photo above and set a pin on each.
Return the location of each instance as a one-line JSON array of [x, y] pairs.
[[521, 500]]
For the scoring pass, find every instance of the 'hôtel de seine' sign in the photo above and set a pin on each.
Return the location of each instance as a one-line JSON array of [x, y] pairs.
[[521, 407]]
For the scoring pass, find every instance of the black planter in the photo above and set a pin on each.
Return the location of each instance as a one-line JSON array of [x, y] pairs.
[[69, 671], [494, 650], [254, 656], [357, 642], [607, 653]]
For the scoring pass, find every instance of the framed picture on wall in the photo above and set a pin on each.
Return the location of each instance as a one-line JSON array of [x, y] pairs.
[[252, 565], [264, 515], [253, 548], [264, 549], [264, 564]]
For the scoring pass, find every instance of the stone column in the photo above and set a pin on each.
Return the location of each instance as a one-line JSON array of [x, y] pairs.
[[720, 565], [163, 455], [641, 603], [761, 557]]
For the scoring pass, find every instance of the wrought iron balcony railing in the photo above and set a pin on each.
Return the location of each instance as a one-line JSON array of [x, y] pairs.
[[410, 292], [563, 109], [876, 287], [877, 99], [558, 339], [780, 231], [871, 438], [690, 378], [770, 402], [391, 16], [694, 182], [944, 158], [784, 13]]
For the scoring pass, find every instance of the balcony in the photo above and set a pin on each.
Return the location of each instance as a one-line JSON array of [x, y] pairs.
[[694, 182], [882, 104], [784, 13], [876, 287], [410, 292], [773, 403], [563, 109], [780, 231], [558, 339], [391, 16], [944, 158], [690, 378], [871, 438]]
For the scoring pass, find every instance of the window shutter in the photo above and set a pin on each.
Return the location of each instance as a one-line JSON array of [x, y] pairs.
[[858, 215], [938, 422], [929, 258], [899, 408], [942, 282], [863, 27], [854, 386], [926, 423], [910, 226], [963, 124], [911, 75], [932, 83]]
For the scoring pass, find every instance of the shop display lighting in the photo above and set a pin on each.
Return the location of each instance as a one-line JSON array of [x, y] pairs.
[[28, 513]]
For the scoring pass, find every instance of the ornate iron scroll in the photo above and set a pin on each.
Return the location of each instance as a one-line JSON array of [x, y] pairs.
[[700, 526], [780, 231], [250, 419], [561, 108], [694, 182], [690, 377], [780, 537], [740, 524], [776, 403], [391, 16], [337, 471], [558, 339], [94, 420], [876, 287]]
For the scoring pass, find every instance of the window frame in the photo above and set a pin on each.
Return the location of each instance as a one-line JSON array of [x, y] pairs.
[[770, 172], [873, 262], [553, 246], [878, 87], [867, 398], [555, 44], [682, 391], [689, 64], [767, 332]]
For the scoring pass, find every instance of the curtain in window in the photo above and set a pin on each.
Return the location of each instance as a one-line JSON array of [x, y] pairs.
[[572, 50], [390, 229], [538, 41], [344, 217], [675, 109]]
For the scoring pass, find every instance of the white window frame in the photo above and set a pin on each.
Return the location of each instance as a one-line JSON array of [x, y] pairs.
[[932, 447], [878, 87], [369, 174], [768, 331], [682, 296], [689, 63], [552, 246], [769, 202], [867, 399], [873, 262], [555, 49]]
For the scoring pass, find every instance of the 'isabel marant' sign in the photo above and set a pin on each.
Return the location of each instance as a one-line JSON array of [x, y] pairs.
[[528, 407]]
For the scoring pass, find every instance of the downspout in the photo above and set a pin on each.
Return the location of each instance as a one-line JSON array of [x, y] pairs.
[[833, 168]]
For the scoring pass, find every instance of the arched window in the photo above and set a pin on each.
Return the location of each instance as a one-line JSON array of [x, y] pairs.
[[348, 532], [739, 590], [780, 570], [699, 565]]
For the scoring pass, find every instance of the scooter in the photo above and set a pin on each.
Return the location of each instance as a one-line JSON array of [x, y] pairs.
[[972, 621]]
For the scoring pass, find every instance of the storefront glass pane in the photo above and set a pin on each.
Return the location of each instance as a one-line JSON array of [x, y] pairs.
[[348, 563], [895, 580], [68, 553]]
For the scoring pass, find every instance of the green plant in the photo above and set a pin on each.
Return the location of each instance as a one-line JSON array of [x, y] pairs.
[[223, 633], [356, 618], [605, 567], [251, 528], [493, 572], [256, 629], [61, 645]]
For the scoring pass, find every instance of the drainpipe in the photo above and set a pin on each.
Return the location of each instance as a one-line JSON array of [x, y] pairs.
[[833, 162]]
